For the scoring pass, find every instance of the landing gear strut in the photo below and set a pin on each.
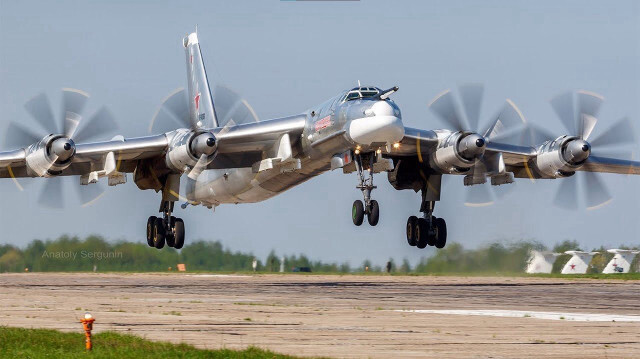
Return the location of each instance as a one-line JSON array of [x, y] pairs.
[[370, 206], [167, 229], [428, 229]]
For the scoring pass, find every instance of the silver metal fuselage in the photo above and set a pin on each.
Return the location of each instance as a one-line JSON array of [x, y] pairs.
[[329, 129]]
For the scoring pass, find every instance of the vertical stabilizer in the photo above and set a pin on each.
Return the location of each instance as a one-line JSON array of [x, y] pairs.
[[201, 109], [579, 262], [621, 262], [541, 262]]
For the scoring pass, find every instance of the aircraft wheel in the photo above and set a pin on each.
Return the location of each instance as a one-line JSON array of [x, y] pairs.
[[357, 212], [170, 236], [421, 233], [178, 234], [441, 240], [150, 223], [158, 233], [431, 240], [412, 222], [374, 213]]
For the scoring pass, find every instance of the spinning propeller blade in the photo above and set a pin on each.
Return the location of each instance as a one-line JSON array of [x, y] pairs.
[[73, 103], [595, 192]]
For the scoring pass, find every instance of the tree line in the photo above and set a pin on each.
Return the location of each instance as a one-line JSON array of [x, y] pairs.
[[95, 253]]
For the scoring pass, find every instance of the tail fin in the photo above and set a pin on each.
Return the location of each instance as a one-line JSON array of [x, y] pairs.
[[541, 262], [201, 109], [579, 262], [621, 262]]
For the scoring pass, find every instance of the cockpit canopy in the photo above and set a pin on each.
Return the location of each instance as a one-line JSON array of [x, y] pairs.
[[361, 92]]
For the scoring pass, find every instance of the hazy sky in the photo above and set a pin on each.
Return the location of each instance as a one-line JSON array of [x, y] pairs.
[[287, 56]]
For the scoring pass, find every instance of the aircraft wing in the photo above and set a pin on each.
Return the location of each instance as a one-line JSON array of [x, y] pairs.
[[611, 165], [238, 146], [417, 142], [518, 159], [90, 156]]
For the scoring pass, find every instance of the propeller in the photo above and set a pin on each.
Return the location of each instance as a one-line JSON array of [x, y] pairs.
[[466, 119], [578, 112], [231, 109], [69, 131], [174, 111]]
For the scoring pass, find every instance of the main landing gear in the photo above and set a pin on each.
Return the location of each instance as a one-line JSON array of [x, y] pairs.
[[369, 207], [426, 230], [168, 229]]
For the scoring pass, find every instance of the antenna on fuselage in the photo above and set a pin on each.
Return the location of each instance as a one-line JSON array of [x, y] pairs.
[[359, 83]]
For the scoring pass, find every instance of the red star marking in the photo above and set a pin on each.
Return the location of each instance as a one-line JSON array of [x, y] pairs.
[[615, 265], [573, 266], [197, 99]]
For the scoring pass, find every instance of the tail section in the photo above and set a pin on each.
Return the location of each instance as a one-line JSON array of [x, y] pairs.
[[201, 109], [579, 262], [621, 262], [541, 262]]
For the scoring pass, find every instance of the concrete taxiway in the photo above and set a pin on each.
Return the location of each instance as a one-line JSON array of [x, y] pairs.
[[342, 316]]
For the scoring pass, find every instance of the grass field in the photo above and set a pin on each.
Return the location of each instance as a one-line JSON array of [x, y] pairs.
[[44, 343]]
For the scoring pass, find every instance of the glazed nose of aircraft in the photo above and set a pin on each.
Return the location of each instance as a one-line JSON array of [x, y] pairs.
[[383, 125]]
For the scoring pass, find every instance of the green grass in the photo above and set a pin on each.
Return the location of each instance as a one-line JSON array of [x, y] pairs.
[[45, 343]]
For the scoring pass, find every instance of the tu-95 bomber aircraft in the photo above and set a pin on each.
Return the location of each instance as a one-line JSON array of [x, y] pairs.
[[223, 159]]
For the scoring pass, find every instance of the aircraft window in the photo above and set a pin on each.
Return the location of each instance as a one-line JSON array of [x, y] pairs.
[[362, 92], [353, 95]]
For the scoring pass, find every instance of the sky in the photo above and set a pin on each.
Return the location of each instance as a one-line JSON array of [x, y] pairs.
[[286, 56]]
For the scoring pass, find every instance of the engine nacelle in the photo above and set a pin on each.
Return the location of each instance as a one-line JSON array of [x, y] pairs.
[[187, 147], [50, 156], [457, 152], [562, 157]]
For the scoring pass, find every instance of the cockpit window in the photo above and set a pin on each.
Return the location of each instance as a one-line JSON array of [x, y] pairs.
[[353, 95], [361, 92]]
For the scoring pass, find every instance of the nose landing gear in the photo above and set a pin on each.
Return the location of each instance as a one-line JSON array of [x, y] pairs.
[[368, 207]]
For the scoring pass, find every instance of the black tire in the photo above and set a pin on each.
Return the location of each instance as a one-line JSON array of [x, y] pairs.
[[150, 223], [441, 239], [374, 213], [412, 222], [179, 234], [431, 240], [169, 236], [158, 233], [357, 212], [422, 233]]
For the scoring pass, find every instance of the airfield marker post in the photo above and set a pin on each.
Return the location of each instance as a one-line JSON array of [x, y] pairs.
[[87, 324]]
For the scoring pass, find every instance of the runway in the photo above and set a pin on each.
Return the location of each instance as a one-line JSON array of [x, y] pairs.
[[342, 316]]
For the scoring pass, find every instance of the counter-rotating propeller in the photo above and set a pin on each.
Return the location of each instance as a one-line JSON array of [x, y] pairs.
[[472, 146], [578, 112], [50, 150], [231, 109]]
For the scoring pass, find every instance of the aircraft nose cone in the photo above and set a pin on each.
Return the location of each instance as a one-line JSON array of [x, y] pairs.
[[480, 142], [384, 126], [211, 141]]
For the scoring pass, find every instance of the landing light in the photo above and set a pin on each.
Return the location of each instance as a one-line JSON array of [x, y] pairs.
[[396, 145], [378, 151], [357, 151]]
